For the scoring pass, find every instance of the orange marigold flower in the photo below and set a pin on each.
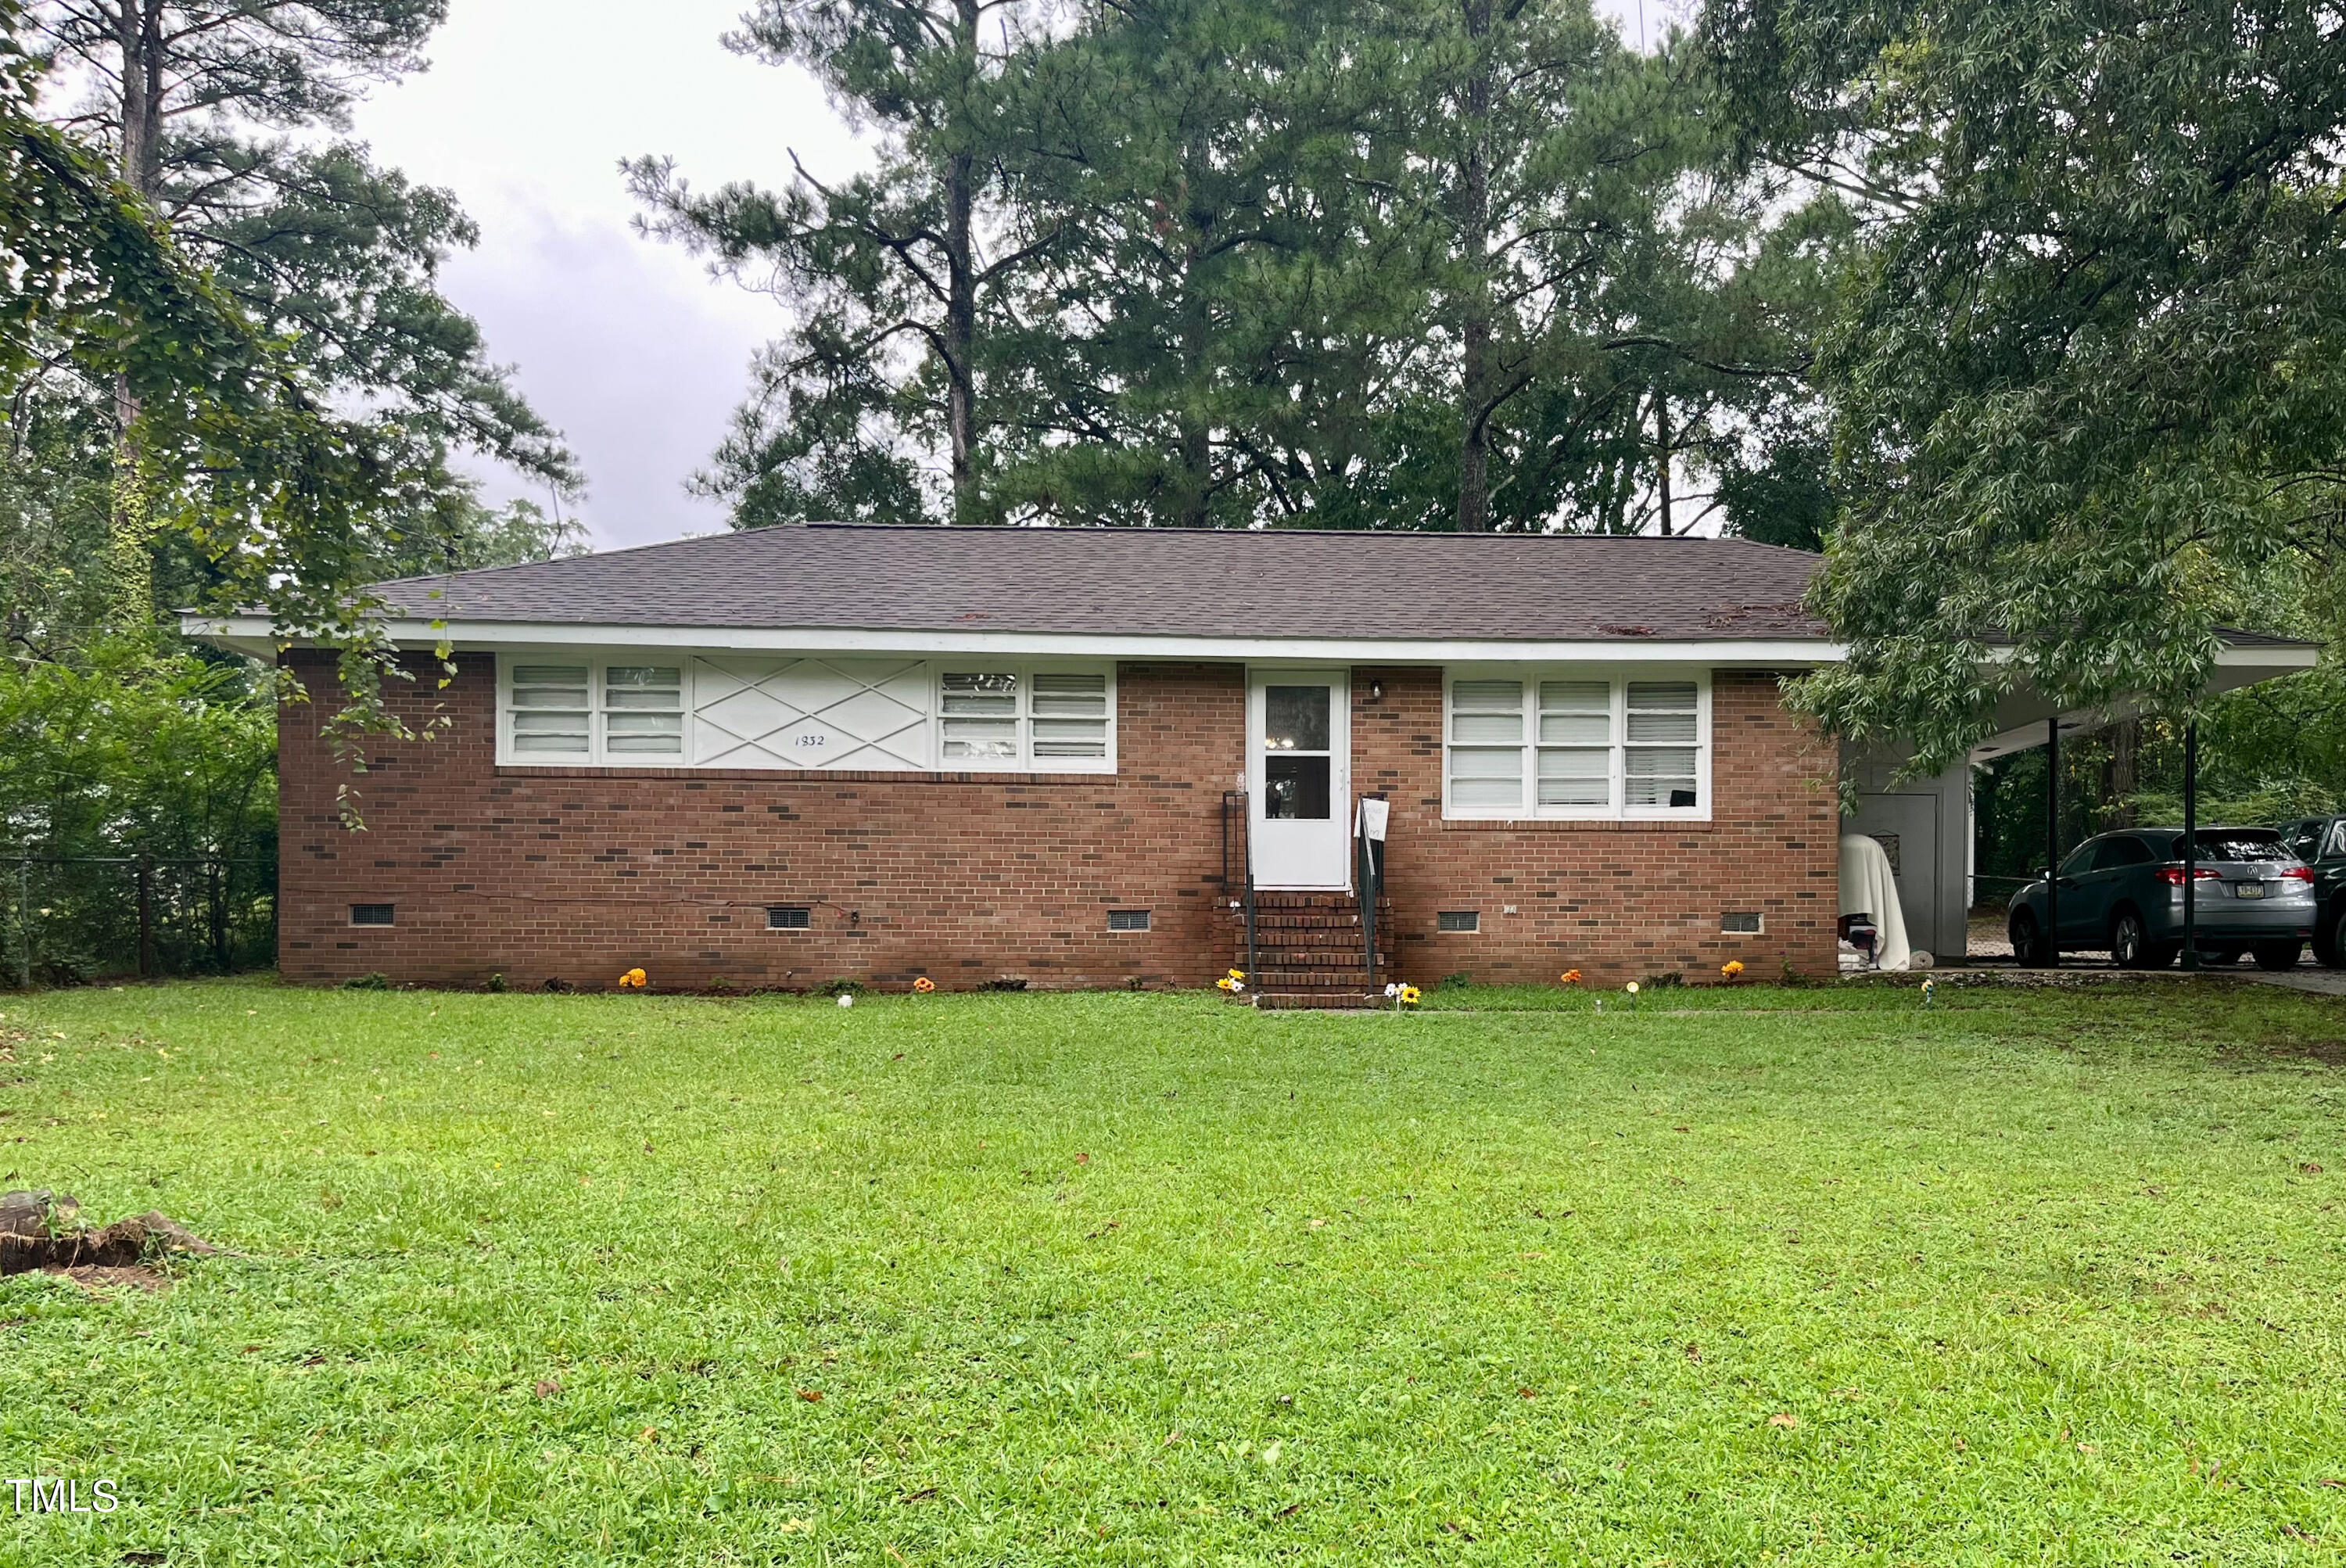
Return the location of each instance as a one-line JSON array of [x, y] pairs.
[[1571, 977], [925, 984]]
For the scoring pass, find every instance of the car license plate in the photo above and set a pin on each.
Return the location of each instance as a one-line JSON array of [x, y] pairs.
[[2248, 890]]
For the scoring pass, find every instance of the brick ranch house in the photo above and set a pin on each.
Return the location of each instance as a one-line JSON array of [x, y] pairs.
[[777, 758]]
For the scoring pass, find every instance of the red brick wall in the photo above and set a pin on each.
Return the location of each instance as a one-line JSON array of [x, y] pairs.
[[1616, 901], [582, 873]]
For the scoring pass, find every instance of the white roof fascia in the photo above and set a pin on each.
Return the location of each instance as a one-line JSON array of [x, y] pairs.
[[252, 635], [2253, 656], [2234, 668]]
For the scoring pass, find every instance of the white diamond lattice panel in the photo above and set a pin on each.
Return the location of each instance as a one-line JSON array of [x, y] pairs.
[[868, 714]]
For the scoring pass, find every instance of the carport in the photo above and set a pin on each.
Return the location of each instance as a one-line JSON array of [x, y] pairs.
[[1926, 824]]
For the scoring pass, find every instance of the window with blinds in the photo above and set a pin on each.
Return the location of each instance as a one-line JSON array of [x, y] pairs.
[[552, 710], [981, 715], [1660, 743], [1575, 745], [643, 710], [1069, 716], [1037, 720], [1486, 745]]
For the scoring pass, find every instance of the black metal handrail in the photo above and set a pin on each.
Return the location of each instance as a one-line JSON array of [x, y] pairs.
[[1235, 800], [1370, 877]]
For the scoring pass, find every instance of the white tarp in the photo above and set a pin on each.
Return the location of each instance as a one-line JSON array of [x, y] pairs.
[[1867, 887]]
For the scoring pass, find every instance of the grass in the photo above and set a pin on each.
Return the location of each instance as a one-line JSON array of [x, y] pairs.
[[1759, 1276]]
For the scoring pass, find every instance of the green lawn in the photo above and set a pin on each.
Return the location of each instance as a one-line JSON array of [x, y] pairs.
[[1758, 1276]]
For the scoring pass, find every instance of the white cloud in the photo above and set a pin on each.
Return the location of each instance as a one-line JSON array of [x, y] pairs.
[[625, 343]]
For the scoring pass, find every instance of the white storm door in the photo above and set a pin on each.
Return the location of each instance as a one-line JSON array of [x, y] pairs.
[[1299, 777]]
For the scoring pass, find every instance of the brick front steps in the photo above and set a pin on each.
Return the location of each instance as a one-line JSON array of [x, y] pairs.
[[1309, 951]]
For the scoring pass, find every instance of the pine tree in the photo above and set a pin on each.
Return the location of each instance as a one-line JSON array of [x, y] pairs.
[[890, 276]]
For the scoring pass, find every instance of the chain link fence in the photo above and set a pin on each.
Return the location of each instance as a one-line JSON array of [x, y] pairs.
[[73, 920]]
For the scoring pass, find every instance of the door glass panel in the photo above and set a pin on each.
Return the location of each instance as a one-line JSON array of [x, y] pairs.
[[1295, 789], [1295, 719]]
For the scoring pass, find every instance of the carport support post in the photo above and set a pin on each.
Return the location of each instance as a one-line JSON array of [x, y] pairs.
[[2052, 842], [2191, 845]]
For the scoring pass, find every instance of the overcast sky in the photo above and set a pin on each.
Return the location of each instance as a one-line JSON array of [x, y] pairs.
[[624, 343]]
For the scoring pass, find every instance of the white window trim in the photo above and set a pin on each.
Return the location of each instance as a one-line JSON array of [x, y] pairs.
[[596, 755], [1618, 676]]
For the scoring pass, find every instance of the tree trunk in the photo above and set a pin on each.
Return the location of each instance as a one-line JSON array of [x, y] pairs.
[[961, 298], [1662, 455], [1475, 406], [138, 32], [1195, 436], [1196, 439], [2119, 777]]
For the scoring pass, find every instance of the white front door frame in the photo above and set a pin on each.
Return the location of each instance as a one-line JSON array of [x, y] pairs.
[[1301, 854]]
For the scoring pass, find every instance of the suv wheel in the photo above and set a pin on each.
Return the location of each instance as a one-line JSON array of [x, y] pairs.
[[2029, 948], [2330, 937], [2131, 947], [2277, 954]]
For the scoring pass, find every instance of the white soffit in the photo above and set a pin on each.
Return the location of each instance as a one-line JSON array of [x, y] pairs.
[[251, 634]]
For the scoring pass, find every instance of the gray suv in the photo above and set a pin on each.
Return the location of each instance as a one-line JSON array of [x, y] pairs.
[[2124, 892]]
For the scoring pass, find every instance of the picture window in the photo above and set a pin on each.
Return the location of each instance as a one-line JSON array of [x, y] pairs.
[[1575, 745]]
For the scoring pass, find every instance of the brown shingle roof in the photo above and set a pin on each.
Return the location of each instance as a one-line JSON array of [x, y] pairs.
[[1156, 582]]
